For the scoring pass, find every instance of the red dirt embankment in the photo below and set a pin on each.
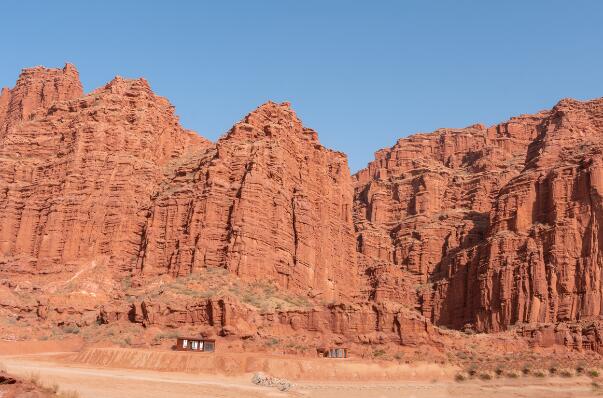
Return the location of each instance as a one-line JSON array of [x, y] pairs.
[[8, 347], [240, 363]]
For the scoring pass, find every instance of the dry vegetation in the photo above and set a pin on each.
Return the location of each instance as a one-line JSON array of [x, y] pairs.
[[217, 282], [52, 390], [474, 371]]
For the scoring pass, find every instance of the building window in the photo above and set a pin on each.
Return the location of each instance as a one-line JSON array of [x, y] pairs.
[[200, 346], [194, 345], [184, 343]]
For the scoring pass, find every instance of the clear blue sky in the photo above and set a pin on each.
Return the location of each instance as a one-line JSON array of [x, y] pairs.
[[362, 73]]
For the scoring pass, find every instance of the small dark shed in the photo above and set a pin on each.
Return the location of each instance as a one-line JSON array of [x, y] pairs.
[[337, 352], [195, 344]]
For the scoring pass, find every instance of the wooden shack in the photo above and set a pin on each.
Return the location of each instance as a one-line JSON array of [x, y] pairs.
[[336, 352], [196, 344]]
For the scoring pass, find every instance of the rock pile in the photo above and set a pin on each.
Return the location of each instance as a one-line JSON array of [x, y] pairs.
[[264, 380]]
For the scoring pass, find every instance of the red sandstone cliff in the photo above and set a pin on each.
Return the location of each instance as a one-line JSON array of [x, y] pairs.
[[497, 226], [267, 202], [110, 210], [77, 173], [36, 88]]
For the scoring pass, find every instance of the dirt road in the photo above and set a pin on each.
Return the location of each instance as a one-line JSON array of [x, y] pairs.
[[98, 382]]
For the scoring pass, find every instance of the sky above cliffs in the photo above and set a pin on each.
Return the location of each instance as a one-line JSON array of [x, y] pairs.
[[362, 74]]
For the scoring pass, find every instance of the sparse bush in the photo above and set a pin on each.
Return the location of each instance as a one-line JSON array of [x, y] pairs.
[[593, 373], [272, 342], [34, 378], [379, 353], [486, 376], [71, 329], [499, 371], [54, 388], [566, 373], [539, 373], [512, 374], [472, 371], [462, 376], [526, 370], [165, 336]]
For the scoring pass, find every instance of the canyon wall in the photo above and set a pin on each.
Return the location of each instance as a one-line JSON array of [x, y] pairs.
[[478, 228], [77, 173], [497, 226], [111, 177], [268, 202]]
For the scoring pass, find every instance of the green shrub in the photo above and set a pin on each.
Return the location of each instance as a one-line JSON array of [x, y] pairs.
[[593, 373]]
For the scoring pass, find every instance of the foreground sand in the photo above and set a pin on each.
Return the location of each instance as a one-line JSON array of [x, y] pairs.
[[93, 381]]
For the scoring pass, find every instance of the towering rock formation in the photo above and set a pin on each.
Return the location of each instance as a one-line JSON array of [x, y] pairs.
[[111, 177], [268, 202], [480, 227], [77, 173], [37, 88], [542, 260], [495, 226]]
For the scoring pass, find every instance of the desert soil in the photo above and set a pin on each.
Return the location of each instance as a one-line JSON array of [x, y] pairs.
[[108, 382]]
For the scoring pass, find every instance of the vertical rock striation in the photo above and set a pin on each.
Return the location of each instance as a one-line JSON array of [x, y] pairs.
[[267, 202], [37, 88], [475, 227], [78, 173], [495, 226]]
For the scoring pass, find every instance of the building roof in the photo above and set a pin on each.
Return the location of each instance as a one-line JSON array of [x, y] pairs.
[[194, 338]]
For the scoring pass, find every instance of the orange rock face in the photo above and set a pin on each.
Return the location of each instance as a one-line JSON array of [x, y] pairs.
[[78, 174], [496, 226], [267, 202], [37, 88], [483, 228]]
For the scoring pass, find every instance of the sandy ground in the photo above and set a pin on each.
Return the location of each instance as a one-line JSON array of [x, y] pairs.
[[95, 382]]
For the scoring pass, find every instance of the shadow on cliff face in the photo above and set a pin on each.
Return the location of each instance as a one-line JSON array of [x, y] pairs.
[[455, 297]]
